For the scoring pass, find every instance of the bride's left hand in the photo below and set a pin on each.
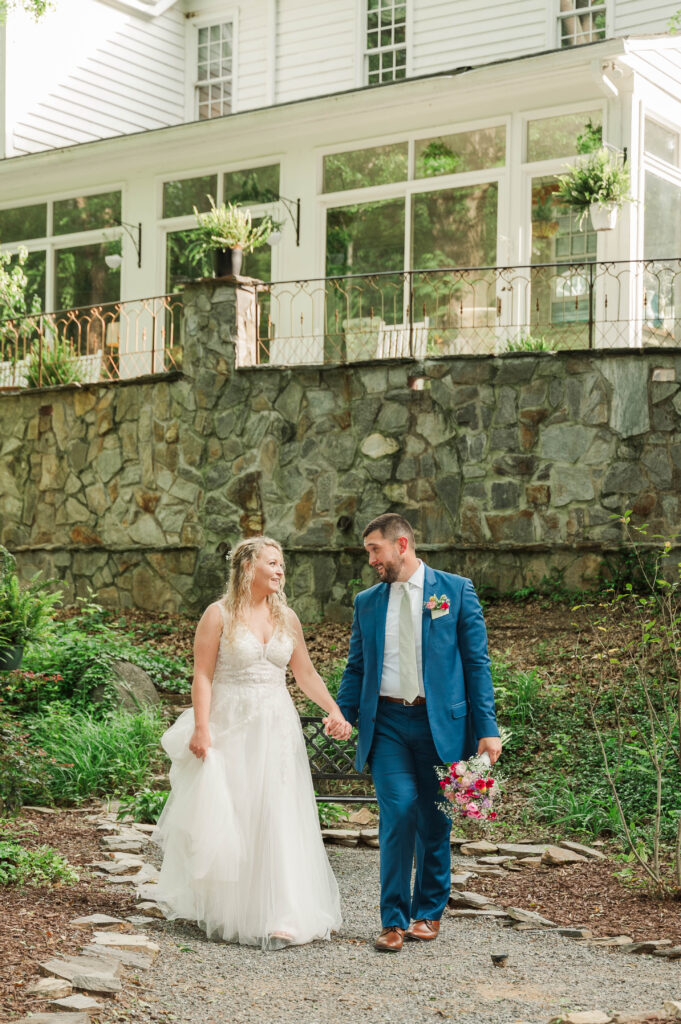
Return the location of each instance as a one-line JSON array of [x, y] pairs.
[[336, 726]]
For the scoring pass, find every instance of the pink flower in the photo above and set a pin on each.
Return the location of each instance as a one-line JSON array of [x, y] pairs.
[[480, 784], [492, 815], [443, 783]]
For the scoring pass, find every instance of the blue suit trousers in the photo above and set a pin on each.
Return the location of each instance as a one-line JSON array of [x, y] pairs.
[[402, 761]]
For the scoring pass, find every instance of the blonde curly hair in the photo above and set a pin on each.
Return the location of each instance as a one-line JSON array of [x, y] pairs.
[[237, 596]]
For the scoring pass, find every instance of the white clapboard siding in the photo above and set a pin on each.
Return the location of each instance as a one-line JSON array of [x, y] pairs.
[[253, 55], [132, 81], [315, 48], [632, 17], [449, 35]]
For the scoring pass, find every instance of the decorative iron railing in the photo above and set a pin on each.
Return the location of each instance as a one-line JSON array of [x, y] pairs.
[[107, 342], [332, 764], [470, 311]]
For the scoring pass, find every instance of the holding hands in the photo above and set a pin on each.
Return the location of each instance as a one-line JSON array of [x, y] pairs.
[[336, 726]]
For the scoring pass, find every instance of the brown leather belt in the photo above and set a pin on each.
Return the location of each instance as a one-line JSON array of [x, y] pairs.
[[405, 703]]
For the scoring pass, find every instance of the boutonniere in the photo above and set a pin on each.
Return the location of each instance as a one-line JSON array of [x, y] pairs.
[[437, 606]]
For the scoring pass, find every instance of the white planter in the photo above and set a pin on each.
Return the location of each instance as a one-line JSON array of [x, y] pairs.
[[604, 218]]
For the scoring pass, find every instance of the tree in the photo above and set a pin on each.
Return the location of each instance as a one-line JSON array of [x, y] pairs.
[[35, 7]]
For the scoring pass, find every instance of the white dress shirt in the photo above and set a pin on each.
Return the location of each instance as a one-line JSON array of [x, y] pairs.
[[390, 677]]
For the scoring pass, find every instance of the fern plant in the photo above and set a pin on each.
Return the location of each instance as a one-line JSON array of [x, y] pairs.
[[600, 178], [25, 612], [227, 227]]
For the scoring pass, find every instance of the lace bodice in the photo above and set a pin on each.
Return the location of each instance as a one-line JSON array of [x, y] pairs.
[[245, 660]]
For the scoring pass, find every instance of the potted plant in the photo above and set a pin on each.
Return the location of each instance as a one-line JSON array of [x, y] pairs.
[[227, 231], [25, 612], [544, 223], [598, 185]]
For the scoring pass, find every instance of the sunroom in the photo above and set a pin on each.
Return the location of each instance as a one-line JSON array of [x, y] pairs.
[[417, 218]]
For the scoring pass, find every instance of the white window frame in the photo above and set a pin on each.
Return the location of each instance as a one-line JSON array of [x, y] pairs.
[[51, 243], [186, 221], [215, 16], [366, 53], [559, 16]]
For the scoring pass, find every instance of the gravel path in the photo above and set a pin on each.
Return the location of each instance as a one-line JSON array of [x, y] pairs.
[[198, 982]]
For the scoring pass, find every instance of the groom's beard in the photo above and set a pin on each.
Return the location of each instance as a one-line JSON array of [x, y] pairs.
[[391, 571]]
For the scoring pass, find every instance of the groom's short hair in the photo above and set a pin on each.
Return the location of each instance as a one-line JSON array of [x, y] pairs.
[[392, 526]]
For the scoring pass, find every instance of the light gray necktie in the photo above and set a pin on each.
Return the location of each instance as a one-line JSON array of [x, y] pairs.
[[409, 677]]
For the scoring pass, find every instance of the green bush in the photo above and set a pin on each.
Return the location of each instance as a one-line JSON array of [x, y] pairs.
[[73, 661], [85, 755], [20, 765], [144, 806]]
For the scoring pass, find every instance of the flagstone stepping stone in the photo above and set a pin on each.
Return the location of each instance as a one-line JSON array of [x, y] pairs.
[[149, 909], [69, 968], [528, 862], [116, 867], [559, 855], [78, 1002], [123, 845], [140, 826], [458, 840], [126, 858], [488, 871], [104, 922], [138, 943], [586, 851], [646, 946], [610, 940], [107, 826], [583, 1017], [55, 1018], [50, 988], [102, 984], [673, 1008], [369, 837], [142, 961], [341, 836], [470, 899], [528, 917], [470, 912], [482, 847], [670, 953], [575, 933], [460, 880], [494, 859], [522, 849]]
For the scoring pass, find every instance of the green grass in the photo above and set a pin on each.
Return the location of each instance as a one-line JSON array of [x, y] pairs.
[[83, 755]]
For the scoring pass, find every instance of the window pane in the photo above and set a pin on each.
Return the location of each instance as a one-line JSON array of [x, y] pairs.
[[660, 142], [179, 197], [455, 227], [259, 262], [365, 238], [179, 268], [552, 137], [360, 168], [83, 278], [87, 212], [34, 269], [252, 185], [23, 222], [465, 151], [662, 230]]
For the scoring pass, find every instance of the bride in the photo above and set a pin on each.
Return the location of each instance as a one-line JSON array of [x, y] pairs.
[[243, 854]]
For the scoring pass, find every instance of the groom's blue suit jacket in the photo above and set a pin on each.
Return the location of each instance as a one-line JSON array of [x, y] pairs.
[[456, 667]]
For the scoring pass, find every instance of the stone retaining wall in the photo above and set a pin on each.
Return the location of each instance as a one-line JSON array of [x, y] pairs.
[[508, 467]]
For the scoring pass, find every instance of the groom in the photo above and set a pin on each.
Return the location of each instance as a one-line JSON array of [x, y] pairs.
[[418, 685]]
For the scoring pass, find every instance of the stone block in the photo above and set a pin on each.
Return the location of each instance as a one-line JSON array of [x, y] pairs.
[[49, 988], [554, 855], [376, 446], [78, 1002]]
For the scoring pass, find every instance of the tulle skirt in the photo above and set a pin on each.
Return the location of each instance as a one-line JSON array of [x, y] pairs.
[[243, 854]]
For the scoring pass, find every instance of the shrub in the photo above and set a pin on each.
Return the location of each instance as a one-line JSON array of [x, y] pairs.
[[144, 806], [84, 755], [20, 765]]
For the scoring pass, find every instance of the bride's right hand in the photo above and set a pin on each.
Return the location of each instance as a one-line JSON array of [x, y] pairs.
[[200, 742]]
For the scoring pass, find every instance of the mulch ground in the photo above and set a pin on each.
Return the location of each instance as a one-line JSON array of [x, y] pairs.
[[35, 921], [586, 895]]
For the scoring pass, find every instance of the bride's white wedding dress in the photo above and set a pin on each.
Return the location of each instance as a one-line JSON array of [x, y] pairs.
[[243, 854]]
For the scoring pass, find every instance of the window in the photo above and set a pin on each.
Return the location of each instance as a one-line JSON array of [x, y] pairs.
[[662, 143], [180, 197], [581, 21], [214, 71], [252, 185], [563, 135], [67, 241], [361, 168], [465, 151], [386, 41]]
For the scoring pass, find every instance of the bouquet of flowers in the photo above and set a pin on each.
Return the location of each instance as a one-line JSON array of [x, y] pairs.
[[469, 788]]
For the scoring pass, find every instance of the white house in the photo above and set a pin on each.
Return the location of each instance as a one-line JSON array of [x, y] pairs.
[[401, 135]]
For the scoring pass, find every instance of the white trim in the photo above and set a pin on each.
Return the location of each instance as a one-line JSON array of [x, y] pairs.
[[360, 35], [147, 11], [215, 16], [272, 31]]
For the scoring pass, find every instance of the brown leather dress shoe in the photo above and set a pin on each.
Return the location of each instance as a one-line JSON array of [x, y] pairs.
[[390, 940], [423, 931]]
